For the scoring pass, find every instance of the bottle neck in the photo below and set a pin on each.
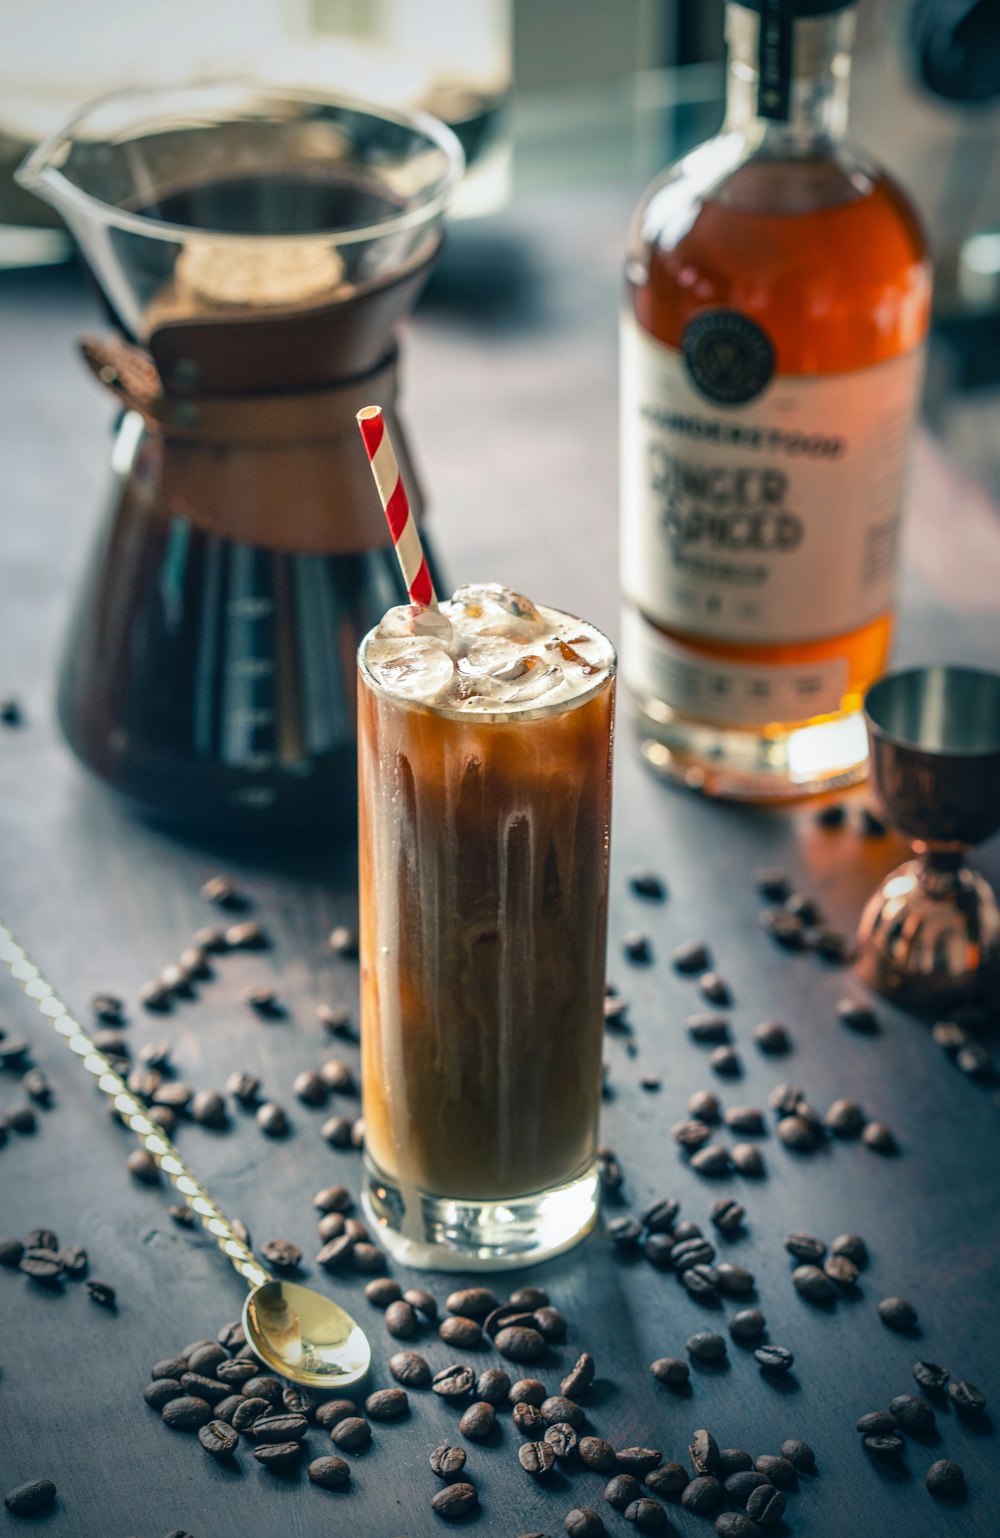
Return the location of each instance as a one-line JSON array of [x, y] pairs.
[[791, 93]]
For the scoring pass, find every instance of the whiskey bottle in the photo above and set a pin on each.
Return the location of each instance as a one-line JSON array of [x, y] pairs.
[[777, 301]]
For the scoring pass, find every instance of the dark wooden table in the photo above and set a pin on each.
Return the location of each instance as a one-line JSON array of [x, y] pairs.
[[511, 382]]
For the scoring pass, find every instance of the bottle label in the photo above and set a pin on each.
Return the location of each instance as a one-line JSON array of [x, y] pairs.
[[727, 693], [771, 519]]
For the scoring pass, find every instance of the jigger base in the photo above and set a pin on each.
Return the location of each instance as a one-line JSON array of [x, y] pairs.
[[929, 938], [441, 1233]]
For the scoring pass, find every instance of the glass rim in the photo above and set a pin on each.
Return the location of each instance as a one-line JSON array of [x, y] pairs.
[[538, 712], [40, 172]]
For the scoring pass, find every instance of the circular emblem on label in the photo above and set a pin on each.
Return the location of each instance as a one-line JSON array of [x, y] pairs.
[[728, 356]]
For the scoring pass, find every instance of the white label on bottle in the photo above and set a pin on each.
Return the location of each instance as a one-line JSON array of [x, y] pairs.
[[727, 693], [774, 520]]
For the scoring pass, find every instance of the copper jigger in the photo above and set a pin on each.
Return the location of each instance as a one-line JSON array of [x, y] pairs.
[[930, 934]]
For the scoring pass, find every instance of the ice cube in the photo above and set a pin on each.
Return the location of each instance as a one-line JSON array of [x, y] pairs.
[[541, 680], [488, 608], [416, 619], [568, 653], [417, 668]]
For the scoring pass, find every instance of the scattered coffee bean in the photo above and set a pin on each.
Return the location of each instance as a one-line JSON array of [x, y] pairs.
[[799, 1454], [109, 1008], [563, 1441], [272, 1120], [578, 1380], [776, 1359], [741, 1484], [101, 1293], [976, 1061], [715, 988], [726, 1062], [876, 1423], [467, 1334], [733, 1460], [43, 1266], [747, 1326], [278, 1455], [786, 929], [734, 1281], [638, 1460], [352, 1433], [387, 1404], [609, 1170], [645, 883], [914, 1416], [967, 1398], [660, 1215], [727, 1215], [691, 1135], [37, 1087], [455, 1501], [844, 1119], [708, 1030], [647, 1514], [219, 1438], [156, 997], [596, 1454], [478, 1422], [624, 1233], [221, 891], [332, 1411], [773, 883], [887, 1447], [520, 1344], [747, 1120], [778, 1470], [203, 1387], [734, 1524], [668, 1479], [536, 1458], [336, 1253], [670, 1370], [621, 1491], [329, 1471], [899, 1315], [237, 1372], [447, 1462], [244, 1087], [336, 1130], [703, 1495], [422, 1301], [169, 1367], [382, 1291], [805, 1247], [706, 1346], [527, 1391], [772, 1037], [31, 1498], [401, 1321], [878, 1137], [529, 1298], [550, 1322], [704, 1450], [336, 1019], [43, 1239], [308, 1087], [186, 1413], [557, 1408], [691, 957], [248, 936], [410, 1369], [343, 941], [945, 1480], [338, 1077], [529, 1421], [282, 1254], [841, 1270], [472, 1302], [931, 1377], [701, 1281], [950, 1036], [366, 1258], [857, 1016], [814, 1285], [582, 1522], [797, 1133], [637, 948], [747, 1160], [209, 1109], [454, 1382], [711, 1161], [263, 1387]]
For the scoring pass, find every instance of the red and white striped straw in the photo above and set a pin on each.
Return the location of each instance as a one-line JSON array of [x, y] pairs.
[[402, 524]]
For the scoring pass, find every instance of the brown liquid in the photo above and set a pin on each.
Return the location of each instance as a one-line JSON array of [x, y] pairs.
[[271, 203], [483, 873], [836, 287]]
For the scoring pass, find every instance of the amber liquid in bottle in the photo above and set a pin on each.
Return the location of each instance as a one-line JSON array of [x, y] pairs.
[[782, 224]]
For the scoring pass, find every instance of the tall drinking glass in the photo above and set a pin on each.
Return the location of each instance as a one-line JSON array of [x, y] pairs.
[[485, 787]]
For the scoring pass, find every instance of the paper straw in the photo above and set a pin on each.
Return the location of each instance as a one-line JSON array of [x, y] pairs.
[[392, 492]]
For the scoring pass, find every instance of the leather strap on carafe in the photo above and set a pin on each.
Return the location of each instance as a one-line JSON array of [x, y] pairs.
[[285, 471]]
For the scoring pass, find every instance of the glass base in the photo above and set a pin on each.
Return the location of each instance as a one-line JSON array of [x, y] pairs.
[[441, 1233], [749, 763]]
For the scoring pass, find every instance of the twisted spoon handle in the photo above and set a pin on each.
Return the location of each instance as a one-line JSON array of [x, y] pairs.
[[132, 1111]]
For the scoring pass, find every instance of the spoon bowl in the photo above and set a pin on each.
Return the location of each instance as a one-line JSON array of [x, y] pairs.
[[305, 1336]]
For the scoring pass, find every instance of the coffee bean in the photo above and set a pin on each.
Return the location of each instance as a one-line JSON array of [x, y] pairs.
[[401, 1321], [31, 1498], [203, 1387], [931, 1377], [558, 1408], [156, 996], [657, 1250], [536, 1457], [582, 1522], [726, 1062], [447, 1462], [776, 1359], [529, 1421], [244, 1087], [785, 928], [43, 1266], [272, 1120], [263, 1387], [529, 1298], [527, 1391], [876, 1423], [967, 1398], [332, 1411], [336, 1131], [352, 1433], [945, 1480], [278, 1455], [888, 1447], [209, 1109], [624, 1233], [493, 1386], [358, 1132], [337, 1077], [833, 946], [702, 1496], [701, 1281], [814, 1285], [616, 1014], [520, 1344], [691, 1135], [282, 1254], [778, 1470], [330, 1472], [410, 1369], [578, 1380], [169, 1367], [704, 1106], [746, 1119], [336, 1253], [207, 1358], [670, 1370], [466, 1334], [772, 1037], [108, 1007], [37, 1087], [715, 988], [563, 1441], [455, 1501], [550, 1322], [805, 1247], [246, 1413], [879, 1138], [11, 1251], [75, 1261], [857, 1016], [622, 1491], [727, 1215], [637, 948], [691, 957], [596, 1454], [143, 1167], [747, 1160], [797, 1133], [186, 1413], [914, 1416], [308, 1087], [733, 1460], [708, 1030], [219, 1439], [668, 1479], [950, 1036], [706, 1346], [101, 1293], [733, 1524], [747, 1326], [506, 1315], [336, 1019], [248, 936], [898, 1314], [161, 1391], [387, 1404], [226, 1409], [741, 1485], [647, 1514], [454, 1382], [851, 1247], [842, 1271], [734, 1281], [711, 1161], [800, 906], [704, 1450], [638, 1460], [609, 1170]]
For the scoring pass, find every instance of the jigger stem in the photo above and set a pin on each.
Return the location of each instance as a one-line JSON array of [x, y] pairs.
[[132, 1111]]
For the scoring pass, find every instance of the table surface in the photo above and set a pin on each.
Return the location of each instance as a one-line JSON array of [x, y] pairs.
[[511, 386]]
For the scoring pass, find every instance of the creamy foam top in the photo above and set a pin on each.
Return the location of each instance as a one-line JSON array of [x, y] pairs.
[[487, 651]]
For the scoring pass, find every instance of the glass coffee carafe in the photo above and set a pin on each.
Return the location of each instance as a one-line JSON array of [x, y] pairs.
[[255, 250]]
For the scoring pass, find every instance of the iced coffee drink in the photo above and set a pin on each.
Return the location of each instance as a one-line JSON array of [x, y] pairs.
[[485, 732]]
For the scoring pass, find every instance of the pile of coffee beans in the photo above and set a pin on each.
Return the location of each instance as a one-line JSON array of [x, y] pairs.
[[909, 1418], [178, 981], [46, 1263], [795, 920]]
